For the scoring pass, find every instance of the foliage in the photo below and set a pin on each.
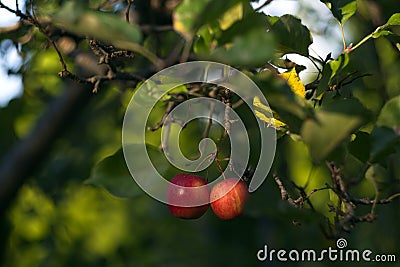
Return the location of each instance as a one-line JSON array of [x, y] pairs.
[[338, 136]]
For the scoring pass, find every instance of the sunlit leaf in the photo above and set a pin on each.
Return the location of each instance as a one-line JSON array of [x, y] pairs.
[[291, 108], [190, 15], [257, 103], [380, 33], [231, 16], [294, 82], [265, 114], [270, 121], [394, 20], [252, 21], [185, 17]]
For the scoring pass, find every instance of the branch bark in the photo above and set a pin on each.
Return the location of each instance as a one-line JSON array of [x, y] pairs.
[[27, 155]]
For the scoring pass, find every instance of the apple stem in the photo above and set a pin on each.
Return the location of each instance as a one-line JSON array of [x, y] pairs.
[[219, 168], [205, 159]]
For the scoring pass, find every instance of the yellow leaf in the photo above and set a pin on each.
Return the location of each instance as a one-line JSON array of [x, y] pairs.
[[231, 16], [271, 121], [257, 103], [294, 82]]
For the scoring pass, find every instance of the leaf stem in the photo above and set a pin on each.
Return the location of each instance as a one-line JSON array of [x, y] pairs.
[[343, 36], [366, 38]]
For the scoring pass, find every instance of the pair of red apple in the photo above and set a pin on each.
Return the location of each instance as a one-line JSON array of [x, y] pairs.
[[227, 198]]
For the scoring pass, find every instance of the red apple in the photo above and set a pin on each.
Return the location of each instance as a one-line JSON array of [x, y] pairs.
[[228, 198], [190, 199]]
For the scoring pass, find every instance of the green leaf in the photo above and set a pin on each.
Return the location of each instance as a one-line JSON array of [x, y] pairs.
[[334, 123], [380, 33], [252, 21], [272, 19], [390, 115], [113, 175], [292, 36], [339, 64], [185, 17], [231, 16], [342, 10], [251, 48], [394, 20], [191, 15], [103, 26]]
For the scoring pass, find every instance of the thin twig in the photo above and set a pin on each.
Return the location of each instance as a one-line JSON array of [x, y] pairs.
[[237, 104], [64, 70], [127, 11], [343, 37], [367, 201], [170, 106], [284, 193], [204, 160], [209, 123], [219, 166], [267, 2]]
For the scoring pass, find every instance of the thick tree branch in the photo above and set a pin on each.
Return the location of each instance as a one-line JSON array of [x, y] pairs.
[[25, 157], [19, 164]]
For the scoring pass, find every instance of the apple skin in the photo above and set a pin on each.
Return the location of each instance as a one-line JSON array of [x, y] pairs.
[[228, 198], [188, 196]]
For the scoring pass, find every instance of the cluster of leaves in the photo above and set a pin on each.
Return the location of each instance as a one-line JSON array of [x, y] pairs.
[[338, 136], [332, 123]]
